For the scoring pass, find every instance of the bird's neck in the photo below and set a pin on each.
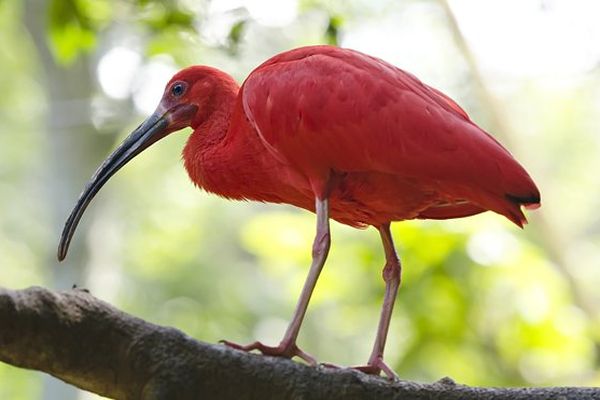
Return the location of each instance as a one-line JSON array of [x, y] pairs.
[[206, 149]]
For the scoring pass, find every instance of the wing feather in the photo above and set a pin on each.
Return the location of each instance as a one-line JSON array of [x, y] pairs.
[[322, 108]]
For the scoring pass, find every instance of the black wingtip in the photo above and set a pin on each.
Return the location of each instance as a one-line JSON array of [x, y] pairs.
[[530, 201]]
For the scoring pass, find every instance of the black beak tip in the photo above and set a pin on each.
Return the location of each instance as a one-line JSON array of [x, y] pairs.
[[62, 253], [63, 247]]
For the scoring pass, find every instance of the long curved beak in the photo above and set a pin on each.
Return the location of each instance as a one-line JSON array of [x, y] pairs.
[[157, 126]]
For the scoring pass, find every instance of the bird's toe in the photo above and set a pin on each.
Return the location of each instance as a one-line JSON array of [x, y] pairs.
[[286, 350]]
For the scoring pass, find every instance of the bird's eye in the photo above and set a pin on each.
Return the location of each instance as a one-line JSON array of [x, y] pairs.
[[178, 89]]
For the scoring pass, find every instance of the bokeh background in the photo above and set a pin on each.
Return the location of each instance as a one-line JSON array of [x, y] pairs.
[[481, 301]]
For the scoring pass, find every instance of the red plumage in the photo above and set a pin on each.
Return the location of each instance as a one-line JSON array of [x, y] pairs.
[[393, 147]]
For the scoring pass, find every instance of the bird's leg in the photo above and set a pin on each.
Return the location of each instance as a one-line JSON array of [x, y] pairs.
[[391, 276], [287, 347]]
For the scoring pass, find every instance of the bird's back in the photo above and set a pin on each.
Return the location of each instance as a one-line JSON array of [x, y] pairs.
[[391, 141]]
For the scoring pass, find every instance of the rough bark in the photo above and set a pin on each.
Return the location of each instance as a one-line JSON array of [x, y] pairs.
[[90, 344]]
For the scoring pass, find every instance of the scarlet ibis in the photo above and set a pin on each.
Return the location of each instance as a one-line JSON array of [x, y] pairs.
[[337, 132]]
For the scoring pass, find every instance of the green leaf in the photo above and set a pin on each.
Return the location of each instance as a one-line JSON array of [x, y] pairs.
[[332, 33], [161, 17], [235, 36], [70, 31]]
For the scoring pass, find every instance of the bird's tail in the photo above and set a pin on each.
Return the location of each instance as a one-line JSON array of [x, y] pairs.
[[515, 202]]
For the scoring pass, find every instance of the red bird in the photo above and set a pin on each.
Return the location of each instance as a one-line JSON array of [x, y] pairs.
[[337, 132]]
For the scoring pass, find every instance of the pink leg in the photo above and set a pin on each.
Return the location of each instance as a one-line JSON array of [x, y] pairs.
[[287, 347], [391, 276]]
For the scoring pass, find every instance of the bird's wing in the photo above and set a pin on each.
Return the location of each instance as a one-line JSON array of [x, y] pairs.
[[323, 108]]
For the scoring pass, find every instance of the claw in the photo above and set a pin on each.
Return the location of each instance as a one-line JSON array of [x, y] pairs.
[[376, 366], [373, 367], [286, 350]]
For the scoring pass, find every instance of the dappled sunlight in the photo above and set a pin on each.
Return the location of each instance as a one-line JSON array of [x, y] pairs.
[[281, 240], [150, 82], [491, 247], [116, 71]]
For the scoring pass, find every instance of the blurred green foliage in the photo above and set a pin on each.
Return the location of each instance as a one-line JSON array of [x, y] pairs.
[[72, 26], [332, 33], [480, 301]]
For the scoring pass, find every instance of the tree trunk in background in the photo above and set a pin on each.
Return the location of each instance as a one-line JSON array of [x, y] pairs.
[[72, 148]]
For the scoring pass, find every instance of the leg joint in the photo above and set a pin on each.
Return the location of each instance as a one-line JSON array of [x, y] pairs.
[[321, 244], [392, 270]]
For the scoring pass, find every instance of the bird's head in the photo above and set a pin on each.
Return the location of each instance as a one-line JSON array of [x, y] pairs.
[[188, 100]]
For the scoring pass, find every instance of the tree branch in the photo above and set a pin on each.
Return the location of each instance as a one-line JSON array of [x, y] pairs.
[[90, 344]]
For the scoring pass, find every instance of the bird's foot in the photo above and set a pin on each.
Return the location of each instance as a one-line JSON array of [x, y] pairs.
[[373, 367], [286, 350]]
